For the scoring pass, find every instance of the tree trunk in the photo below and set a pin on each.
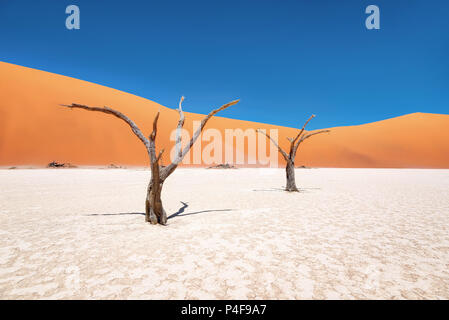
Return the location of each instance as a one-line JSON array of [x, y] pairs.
[[154, 211], [290, 170]]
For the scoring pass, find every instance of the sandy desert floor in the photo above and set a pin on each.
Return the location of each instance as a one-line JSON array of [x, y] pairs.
[[350, 234]]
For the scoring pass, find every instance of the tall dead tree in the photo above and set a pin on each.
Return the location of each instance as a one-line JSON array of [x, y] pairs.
[[154, 210], [290, 157]]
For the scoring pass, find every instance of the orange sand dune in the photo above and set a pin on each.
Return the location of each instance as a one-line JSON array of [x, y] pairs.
[[34, 130]]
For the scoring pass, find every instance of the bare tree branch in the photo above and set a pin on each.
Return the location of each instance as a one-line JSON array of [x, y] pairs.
[[203, 124], [303, 128], [171, 167], [307, 136], [152, 148], [304, 137], [154, 133], [160, 155], [117, 114], [284, 154], [178, 142]]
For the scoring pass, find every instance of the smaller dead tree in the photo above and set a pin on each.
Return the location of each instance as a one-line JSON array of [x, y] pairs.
[[290, 157], [154, 211]]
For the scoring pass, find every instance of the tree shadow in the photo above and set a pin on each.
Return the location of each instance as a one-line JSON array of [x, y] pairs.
[[181, 210], [116, 214], [283, 189], [270, 189], [179, 213]]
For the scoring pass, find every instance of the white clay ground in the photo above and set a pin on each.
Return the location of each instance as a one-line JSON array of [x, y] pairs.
[[350, 234]]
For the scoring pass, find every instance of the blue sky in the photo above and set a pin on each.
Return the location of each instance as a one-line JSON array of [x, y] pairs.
[[283, 59]]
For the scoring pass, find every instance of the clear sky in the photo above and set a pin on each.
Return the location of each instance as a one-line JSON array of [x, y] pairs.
[[283, 59]]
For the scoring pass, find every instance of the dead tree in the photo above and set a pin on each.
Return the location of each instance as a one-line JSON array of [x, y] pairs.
[[154, 210], [290, 157]]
